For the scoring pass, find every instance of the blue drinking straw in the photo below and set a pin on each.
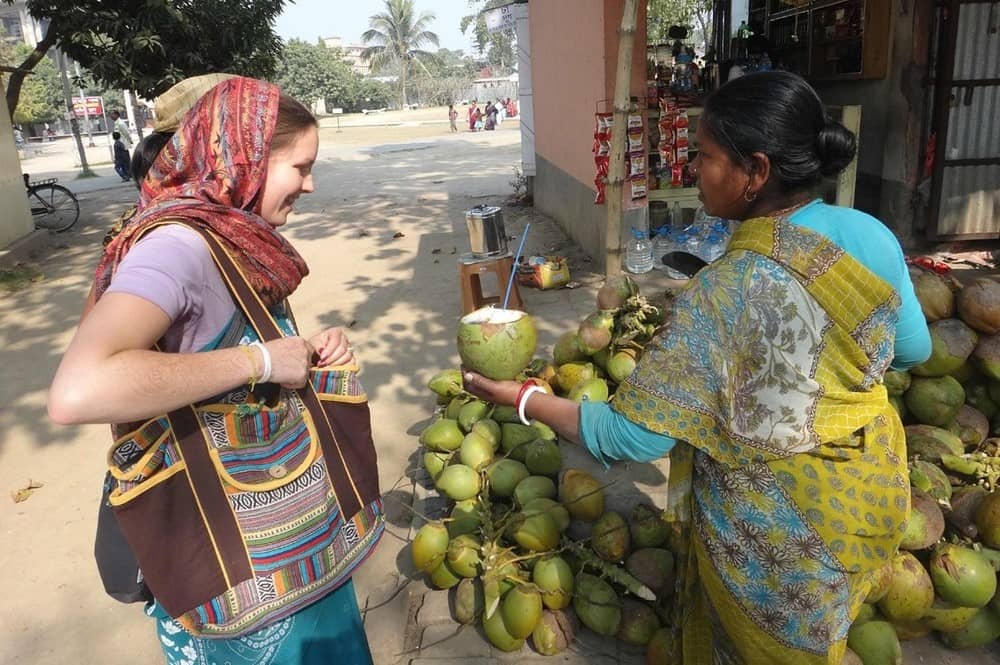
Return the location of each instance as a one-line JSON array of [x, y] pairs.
[[517, 260]]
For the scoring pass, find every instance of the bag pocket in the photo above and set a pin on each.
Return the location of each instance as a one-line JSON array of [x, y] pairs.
[[338, 384], [138, 455]]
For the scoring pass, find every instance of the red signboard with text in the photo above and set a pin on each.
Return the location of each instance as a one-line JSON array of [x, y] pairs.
[[94, 105]]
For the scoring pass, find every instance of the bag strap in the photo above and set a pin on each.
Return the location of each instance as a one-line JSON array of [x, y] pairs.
[[345, 489]]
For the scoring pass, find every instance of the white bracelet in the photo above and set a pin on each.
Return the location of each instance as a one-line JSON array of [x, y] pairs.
[[531, 390], [265, 374]]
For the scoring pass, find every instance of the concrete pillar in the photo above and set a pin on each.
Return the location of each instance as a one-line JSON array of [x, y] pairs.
[[15, 222]]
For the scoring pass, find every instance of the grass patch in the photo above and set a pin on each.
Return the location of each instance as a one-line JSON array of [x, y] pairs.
[[18, 278]]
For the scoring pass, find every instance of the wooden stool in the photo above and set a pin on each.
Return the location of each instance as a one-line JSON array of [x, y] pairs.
[[470, 272]]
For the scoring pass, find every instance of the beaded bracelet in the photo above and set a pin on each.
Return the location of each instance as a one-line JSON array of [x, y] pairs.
[[254, 374]]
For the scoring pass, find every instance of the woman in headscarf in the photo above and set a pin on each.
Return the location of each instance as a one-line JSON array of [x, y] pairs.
[[788, 481], [237, 163]]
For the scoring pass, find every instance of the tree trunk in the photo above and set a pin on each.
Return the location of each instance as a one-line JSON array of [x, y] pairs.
[[16, 80], [404, 65], [703, 21], [616, 167]]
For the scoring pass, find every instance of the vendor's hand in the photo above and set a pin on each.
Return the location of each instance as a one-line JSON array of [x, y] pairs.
[[495, 392], [291, 358], [332, 348]]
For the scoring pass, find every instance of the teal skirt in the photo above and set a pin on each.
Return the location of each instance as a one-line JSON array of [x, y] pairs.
[[328, 631]]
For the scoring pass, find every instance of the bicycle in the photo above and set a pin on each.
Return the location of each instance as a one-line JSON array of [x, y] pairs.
[[53, 207]]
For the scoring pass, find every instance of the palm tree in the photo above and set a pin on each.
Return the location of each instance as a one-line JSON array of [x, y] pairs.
[[397, 35]]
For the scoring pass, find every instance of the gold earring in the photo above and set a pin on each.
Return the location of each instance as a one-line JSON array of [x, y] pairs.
[[749, 196]]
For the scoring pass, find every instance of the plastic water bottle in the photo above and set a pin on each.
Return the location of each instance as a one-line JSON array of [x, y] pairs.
[[677, 217], [714, 246], [639, 253], [693, 243], [664, 243]]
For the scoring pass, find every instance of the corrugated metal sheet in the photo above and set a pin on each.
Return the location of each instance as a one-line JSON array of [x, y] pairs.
[[970, 195], [977, 52], [970, 201], [974, 130]]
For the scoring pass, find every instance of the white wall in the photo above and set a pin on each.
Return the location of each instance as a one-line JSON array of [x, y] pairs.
[[15, 220]]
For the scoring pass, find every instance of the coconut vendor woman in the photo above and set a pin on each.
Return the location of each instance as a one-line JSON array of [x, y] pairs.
[[191, 320], [765, 388]]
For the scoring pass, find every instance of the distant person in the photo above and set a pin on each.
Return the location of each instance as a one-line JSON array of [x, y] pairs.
[[453, 117], [490, 117], [474, 116], [122, 158], [501, 111], [120, 125], [511, 108], [19, 139]]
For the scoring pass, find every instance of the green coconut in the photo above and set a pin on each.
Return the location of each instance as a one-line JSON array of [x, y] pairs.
[[435, 463], [446, 383], [934, 400], [443, 577], [978, 396], [896, 382], [982, 629], [590, 390], [935, 294], [881, 579], [568, 375], [962, 576], [947, 618], [464, 555], [910, 630], [986, 356], [497, 343], [469, 601], [867, 612], [521, 609], [929, 442], [476, 451], [553, 508], [466, 518], [582, 495], [610, 537], [978, 304], [973, 426], [535, 531], [658, 649], [654, 567], [543, 458], [471, 413], [554, 577], [498, 635], [429, 546], [987, 519], [951, 343], [567, 350], [594, 333], [443, 435], [489, 429], [876, 643], [597, 605], [621, 364], [458, 482], [647, 527], [966, 372], [910, 591], [504, 475], [514, 438], [965, 503], [555, 631], [931, 479], [638, 624], [925, 525], [534, 487], [615, 291]]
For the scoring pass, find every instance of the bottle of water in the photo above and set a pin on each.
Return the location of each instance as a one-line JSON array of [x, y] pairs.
[[693, 243], [639, 253], [677, 217], [663, 242], [714, 246]]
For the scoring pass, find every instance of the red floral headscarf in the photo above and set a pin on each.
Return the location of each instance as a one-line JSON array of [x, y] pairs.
[[211, 174]]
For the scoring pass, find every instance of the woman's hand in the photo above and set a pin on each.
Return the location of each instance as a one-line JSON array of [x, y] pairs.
[[332, 348], [496, 392], [291, 358]]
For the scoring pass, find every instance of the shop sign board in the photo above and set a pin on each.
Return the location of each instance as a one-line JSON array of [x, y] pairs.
[[500, 19], [94, 106]]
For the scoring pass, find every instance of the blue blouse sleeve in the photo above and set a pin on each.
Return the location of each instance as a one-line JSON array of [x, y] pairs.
[[610, 436], [913, 339]]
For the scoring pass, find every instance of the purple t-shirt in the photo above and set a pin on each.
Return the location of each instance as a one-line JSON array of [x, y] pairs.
[[173, 268]]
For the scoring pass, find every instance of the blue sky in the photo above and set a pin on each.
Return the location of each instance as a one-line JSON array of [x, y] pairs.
[[309, 19]]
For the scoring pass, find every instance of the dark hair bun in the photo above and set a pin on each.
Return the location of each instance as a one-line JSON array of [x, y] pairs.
[[836, 147]]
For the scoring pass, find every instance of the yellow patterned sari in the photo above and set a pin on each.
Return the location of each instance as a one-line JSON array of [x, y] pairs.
[[789, 477]]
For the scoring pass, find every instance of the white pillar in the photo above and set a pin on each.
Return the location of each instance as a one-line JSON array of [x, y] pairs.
[[130, 112], [525, 109]]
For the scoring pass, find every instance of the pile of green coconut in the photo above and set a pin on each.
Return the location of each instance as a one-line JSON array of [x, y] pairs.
[[944, 578], [504, 548]]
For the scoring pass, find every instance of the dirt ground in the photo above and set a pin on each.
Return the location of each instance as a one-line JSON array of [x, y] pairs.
[[381, 235]]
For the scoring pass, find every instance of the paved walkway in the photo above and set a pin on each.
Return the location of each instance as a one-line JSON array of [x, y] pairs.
[[381, 235]]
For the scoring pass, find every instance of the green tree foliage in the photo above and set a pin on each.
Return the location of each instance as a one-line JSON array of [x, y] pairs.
[[397, 36], [309, 72], [148, 46], [446, 78], [696, 15], [496, 47], [41, 96]]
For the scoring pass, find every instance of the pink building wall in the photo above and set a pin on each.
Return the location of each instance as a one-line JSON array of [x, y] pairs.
[[574, 53]]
